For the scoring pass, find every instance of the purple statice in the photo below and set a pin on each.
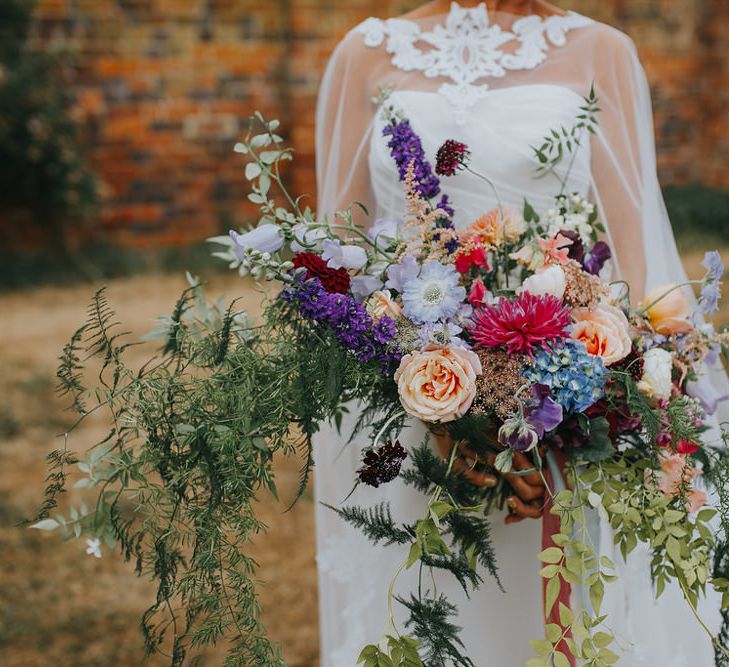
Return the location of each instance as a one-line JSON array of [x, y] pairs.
[[351, 323], [384, 330], [313, 300], [405, 147]]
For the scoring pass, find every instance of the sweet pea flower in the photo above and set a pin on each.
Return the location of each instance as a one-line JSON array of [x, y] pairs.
[[383, 232], [307, 239], [517, 434], [556, 250], [362, 286], [264, 238], [399, 274], [339, 256]]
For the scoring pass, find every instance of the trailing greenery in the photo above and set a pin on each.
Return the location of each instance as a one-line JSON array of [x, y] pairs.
[[190, 448]]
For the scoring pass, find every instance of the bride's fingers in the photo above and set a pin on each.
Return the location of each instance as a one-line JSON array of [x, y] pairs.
[[523, 489], [479, 478], [523, 462], [532, 510]]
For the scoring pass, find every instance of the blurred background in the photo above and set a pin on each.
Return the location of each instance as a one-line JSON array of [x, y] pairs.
[[117, 121]]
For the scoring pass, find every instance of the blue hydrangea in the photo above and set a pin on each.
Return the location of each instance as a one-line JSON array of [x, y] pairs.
[[576, 379]]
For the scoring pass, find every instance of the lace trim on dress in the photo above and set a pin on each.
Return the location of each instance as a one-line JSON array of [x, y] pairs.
[[468, 48]]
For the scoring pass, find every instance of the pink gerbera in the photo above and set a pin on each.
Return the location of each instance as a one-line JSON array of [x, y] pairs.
[[520, 325]]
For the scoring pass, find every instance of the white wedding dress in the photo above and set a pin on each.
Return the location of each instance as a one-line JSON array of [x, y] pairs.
[[498, 83]]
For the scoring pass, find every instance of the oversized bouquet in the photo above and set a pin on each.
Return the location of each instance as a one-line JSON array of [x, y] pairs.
[[532, 370]]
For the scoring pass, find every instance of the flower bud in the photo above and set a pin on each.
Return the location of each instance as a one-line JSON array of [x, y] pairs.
[[518, 434]]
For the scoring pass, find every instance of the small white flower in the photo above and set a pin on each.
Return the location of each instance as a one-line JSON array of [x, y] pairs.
[[93, 547], [657, 367], [550, 280]]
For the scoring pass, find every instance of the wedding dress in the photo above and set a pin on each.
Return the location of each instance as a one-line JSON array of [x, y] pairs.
[[498, 83]]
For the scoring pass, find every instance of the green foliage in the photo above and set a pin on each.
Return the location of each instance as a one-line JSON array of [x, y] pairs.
[[400, 652], [376, 523], [429, 622], [189, 450], [43, 169]]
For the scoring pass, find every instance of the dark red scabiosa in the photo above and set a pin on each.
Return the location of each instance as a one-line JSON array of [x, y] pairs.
[[334, 281], [382, 465], [521, 325], [451, 156]]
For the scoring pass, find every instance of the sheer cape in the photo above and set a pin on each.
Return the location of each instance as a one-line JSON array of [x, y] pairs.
[[498, 81]]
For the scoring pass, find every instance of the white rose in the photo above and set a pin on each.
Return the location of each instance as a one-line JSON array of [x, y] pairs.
[[550, 280], [656, 381]]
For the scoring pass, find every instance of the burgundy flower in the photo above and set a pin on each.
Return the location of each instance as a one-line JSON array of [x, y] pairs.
[[451, 156], [382, 465], [334, 281], [522, 324]]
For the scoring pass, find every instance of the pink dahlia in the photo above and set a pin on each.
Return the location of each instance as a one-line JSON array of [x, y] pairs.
[[526, 322]]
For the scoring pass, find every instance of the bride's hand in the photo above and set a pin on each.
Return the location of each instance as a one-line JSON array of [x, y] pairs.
[[529, 489]]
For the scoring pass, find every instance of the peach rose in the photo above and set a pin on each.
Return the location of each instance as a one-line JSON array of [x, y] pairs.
[[669, 314], [604, 331], [496, 227], [381, 303], [674, 474], [438, 384]]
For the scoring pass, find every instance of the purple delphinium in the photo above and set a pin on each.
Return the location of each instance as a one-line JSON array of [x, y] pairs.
[[405, 147]]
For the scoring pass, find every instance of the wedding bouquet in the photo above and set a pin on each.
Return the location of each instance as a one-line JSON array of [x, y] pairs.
[[507, 338]]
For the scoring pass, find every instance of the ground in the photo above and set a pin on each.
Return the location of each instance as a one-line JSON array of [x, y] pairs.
[[61, 607]]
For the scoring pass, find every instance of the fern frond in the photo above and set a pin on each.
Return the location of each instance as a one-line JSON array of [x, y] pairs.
[[376, 523]]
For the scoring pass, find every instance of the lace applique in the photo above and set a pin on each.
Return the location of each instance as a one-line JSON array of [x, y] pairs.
[[468, 48]]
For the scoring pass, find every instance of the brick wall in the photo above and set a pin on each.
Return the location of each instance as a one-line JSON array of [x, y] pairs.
[[166, 86]]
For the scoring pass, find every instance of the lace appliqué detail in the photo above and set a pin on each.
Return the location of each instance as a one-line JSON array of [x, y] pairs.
[[468, 48]]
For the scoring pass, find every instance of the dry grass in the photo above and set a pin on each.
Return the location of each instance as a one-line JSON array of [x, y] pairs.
[[57, 605]]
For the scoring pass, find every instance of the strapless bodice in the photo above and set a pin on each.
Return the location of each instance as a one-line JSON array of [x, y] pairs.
[[503, 126]]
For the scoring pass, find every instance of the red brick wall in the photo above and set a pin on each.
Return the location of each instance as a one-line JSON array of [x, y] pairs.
[[166, 86]]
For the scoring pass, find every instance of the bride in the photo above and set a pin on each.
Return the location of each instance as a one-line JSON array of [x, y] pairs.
[[496, 76]]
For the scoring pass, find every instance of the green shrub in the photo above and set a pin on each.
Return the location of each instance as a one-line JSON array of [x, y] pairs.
[[43, 169]]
